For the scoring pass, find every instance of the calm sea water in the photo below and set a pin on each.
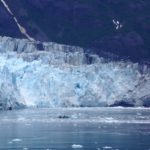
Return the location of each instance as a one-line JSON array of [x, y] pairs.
[[75, 128]]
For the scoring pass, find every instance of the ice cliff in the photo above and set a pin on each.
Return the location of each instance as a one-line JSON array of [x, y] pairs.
[[34, 74]]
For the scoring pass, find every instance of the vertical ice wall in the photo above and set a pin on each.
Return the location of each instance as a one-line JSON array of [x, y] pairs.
[[54, 75]]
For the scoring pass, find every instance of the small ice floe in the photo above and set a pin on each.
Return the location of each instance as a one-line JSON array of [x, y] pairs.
[[109, 119], [117, 24], [10, 142], [21, 119], [77, 146], [74, 116], [107, 147], [25, 148], [16, 140]]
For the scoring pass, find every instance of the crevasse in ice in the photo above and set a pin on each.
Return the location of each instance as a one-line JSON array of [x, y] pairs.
[[34, 74]]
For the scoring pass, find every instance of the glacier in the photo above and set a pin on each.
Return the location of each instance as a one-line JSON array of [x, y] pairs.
[[35, 74]]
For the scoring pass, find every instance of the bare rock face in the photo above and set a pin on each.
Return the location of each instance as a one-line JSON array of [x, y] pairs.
[[84, 23]]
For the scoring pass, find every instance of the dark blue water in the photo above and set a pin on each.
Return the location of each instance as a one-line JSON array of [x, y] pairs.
[[85, 129]]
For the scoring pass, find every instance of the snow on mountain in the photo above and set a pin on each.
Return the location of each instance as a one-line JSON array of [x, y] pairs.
[[34, 74]]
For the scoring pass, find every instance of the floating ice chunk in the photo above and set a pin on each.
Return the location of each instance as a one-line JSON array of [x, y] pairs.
[[74, 116], [21, 119], [107, 147], [16, 140], [77, 146]]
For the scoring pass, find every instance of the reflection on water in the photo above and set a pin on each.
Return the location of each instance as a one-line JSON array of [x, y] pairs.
[[85, 129]]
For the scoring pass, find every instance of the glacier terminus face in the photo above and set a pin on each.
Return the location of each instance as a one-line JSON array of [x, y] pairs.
[[34, 74]]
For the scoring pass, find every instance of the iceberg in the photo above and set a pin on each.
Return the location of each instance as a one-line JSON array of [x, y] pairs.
[[35, 74], [77, 146]]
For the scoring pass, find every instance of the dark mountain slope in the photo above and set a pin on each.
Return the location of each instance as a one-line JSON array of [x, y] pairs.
[[84, 23]]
